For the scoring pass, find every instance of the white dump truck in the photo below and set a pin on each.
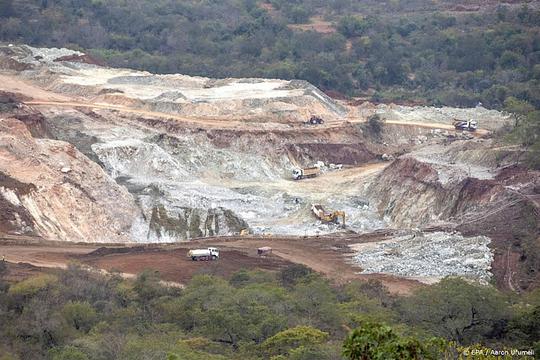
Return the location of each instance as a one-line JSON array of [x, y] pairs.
[[211, 253], [469, 125], [304, 173]]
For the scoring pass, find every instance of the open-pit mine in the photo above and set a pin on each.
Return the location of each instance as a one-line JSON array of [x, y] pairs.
[[115, 158]]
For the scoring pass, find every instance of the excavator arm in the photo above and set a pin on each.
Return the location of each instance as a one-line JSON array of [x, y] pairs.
[[338, 214]]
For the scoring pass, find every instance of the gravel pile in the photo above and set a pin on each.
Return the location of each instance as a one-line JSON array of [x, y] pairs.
[[437, 254]]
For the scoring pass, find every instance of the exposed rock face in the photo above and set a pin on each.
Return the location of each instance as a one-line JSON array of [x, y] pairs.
[[410, 193], [48, 188], [117, 155], [11, 106], [346, 154], [189, 223]]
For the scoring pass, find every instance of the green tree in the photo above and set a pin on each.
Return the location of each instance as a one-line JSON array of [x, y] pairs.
[[67, 353], [6, 8], [373, 341], [375, 125], [80, 315], [351, 26], [526, 130], [301, 336], [293, 274], [456, 310]]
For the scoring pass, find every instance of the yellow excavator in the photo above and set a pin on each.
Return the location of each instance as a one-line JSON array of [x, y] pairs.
[[327, 216]]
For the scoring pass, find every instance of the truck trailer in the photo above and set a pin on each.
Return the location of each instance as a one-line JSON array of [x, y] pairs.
[[303, 173], [211, 253]]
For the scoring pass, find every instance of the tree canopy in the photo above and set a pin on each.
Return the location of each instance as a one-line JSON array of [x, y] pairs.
[[396, 51]]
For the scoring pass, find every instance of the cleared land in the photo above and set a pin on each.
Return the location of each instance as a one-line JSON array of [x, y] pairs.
[[325, 254]]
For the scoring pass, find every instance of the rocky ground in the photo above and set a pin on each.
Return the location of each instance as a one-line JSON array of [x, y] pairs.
[[93, 154], [431, 255]]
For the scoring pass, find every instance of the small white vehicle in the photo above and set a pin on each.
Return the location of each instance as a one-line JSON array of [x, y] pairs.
[[209, 254]]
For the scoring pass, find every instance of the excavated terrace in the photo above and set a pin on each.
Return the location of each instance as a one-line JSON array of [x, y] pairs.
[[175, 157]]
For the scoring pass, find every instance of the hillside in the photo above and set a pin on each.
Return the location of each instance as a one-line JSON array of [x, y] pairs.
[[413, 232], [410, 51], [113, 155]]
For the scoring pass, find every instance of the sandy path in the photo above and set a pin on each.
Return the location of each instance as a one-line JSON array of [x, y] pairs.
[[207, 122], [43, 97], [345, 181], [44, 256], [319, 254], [323, 254], [16, 85], [430, 125], [54, 257]]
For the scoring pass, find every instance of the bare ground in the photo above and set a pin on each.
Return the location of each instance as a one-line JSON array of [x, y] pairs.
[[327, 255]]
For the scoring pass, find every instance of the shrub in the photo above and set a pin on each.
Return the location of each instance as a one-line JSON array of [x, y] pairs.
[[33, 285]]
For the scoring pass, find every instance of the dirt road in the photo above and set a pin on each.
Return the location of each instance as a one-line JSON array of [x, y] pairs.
[[16, 85], [42, 97], [328, 255], [226, 123], [429, 125]]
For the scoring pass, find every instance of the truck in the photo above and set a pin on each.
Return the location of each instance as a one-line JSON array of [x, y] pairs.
[[314, 120], [211, 253], [303, 173], [469, 125]]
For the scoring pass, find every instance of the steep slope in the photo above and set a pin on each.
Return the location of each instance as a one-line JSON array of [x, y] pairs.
[[49, 189], [414, 194]]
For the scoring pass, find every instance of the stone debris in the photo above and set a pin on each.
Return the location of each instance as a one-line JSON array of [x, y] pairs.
[[487, 119], [436, 254], [192, 96]]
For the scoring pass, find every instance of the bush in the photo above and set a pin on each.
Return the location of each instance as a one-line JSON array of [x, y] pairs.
[[376, 341], [293, 274], [80, 315], [3, 267], [300, 336], [67, 353], [375, 125], [456, 310], [32, 286], [351, 26]]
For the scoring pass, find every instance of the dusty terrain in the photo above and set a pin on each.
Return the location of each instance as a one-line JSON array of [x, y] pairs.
[[328, 255], [98, 155]]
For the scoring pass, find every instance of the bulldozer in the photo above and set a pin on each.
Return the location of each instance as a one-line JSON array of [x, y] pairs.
[[327, 216]]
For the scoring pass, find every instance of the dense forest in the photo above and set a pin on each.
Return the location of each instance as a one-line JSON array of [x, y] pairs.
[[292, 314], [441, 53]]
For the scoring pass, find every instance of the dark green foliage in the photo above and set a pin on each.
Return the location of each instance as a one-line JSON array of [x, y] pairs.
[[76, 314], [456, 310], [293, 274], [6, 8], [3, 267], [400, 50], [526, 131], [351, 26], [374, 341], [375, 125]]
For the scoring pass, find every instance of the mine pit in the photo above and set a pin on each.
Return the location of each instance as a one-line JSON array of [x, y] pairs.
[[179, 159]]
